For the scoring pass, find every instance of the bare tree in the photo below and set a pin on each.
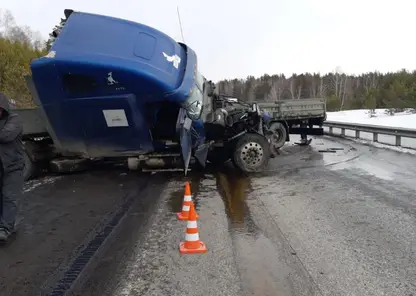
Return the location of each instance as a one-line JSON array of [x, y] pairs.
[[295, 90], [18, 34], [339, 84], [299, 91], [313, 86], [292, 89], [228, 88], [343, 91], [337, 81], [370, 81], [274, 93], [277, 87], [6, 20], [37, 41], [317, 86], [15, 33], [251, 95], [322, 88]]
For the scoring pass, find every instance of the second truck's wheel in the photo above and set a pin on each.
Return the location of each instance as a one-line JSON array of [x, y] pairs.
[[278, 136], [251, 153]]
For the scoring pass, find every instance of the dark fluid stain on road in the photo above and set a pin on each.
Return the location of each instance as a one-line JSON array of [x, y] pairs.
[[265, 262], [233, 188], [176, 198], [256, 255]]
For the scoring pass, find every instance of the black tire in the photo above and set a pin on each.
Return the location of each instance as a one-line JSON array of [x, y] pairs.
[[278, 138], [29, 170], [219, 155], [258, 147]]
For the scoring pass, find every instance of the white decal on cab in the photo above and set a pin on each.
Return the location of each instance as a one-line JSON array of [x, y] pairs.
[[110, 79], [175, 59]]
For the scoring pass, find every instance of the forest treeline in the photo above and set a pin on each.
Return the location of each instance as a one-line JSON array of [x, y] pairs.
[[395, 91]]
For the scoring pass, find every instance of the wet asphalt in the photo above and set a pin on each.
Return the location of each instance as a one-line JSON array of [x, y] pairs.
[[334, 218]]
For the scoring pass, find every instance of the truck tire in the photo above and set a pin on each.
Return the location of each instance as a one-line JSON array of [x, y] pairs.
[[251, 153], [278, 138]]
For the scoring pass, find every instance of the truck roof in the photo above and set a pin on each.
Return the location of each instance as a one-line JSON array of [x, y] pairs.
[[129, 46]]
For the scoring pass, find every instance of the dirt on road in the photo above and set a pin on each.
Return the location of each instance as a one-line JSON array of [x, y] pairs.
[[57, 215]]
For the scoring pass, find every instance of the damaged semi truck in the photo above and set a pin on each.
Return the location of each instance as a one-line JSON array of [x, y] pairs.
[[115, 89]]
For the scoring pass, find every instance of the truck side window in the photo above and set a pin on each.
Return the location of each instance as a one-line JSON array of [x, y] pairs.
[[76, 84]]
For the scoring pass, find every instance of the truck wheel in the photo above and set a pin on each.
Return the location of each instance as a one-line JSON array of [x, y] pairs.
[[251, 153], [278, 138]]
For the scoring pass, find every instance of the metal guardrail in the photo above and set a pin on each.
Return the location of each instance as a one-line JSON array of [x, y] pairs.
[[374, 129]]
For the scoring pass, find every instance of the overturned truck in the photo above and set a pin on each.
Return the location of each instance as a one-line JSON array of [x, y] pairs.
[[115, 89]]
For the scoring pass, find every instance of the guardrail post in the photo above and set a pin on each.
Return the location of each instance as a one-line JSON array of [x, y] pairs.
[[330, 130], [357, 134], [398, 141], [342, 131], [375, 137]]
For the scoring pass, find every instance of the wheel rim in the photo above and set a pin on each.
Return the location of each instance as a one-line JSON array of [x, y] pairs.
[[252, 153]]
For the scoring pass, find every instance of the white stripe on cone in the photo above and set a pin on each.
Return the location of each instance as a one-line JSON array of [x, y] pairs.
[[187, 198], [192, 237], [186, 208], [192, 224]]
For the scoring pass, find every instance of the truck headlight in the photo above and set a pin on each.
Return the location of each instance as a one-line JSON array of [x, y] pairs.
[[194, 110], [193, 105]]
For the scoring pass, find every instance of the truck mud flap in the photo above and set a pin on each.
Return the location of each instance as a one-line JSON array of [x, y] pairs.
[[201, 154], [183, 124]]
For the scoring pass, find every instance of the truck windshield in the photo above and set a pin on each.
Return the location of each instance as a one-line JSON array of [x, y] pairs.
[[193, 104]]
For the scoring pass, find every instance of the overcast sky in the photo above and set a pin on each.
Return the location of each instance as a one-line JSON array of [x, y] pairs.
[[237, 38]]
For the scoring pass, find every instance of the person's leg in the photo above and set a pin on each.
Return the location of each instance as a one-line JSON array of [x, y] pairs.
[[12, 190], [303, 138]]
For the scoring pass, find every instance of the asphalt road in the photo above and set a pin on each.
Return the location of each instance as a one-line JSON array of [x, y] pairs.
[[335, 218]]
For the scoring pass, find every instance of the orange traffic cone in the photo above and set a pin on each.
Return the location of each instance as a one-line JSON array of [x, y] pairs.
[[192, 244], [187, 201]]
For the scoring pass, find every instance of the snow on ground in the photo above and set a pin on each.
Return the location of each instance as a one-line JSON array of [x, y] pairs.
[[32, 184], [404, 119]]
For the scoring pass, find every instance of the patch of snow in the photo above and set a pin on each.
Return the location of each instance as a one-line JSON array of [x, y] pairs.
[[32, 184], [404, 119]]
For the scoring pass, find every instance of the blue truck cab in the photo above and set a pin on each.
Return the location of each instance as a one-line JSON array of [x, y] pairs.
[[110, 87]]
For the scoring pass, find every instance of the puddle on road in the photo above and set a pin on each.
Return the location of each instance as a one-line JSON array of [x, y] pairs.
[[176, 197], [264, 266], [233, 188]]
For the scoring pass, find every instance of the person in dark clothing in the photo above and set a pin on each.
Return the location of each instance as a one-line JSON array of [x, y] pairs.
[[11, 169]]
